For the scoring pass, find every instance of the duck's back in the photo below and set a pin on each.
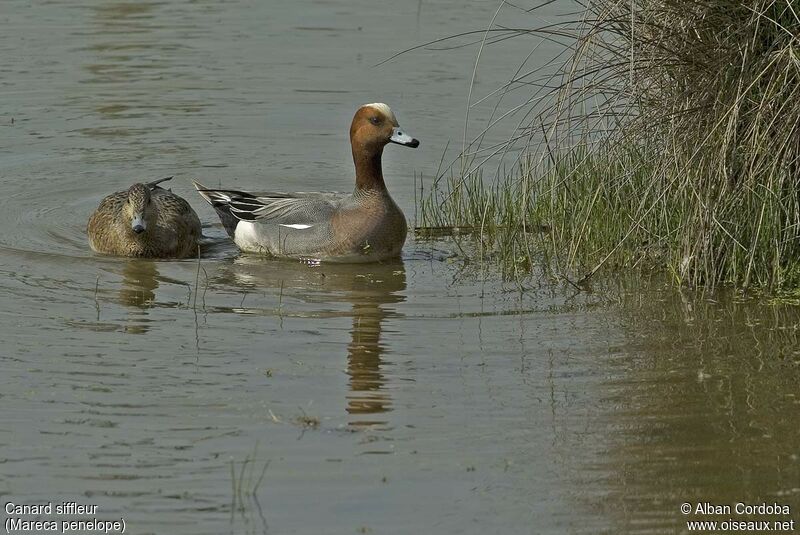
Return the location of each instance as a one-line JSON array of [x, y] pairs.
[[178, 227], [329, 227], [104, 228], [284, 224], [175, 212]]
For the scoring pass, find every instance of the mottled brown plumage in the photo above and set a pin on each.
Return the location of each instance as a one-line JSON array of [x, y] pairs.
[[144, 221]]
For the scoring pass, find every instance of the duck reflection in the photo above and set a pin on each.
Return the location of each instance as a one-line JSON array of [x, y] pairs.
[[140, 280], [139, 283], [371, 290], [370, 295]]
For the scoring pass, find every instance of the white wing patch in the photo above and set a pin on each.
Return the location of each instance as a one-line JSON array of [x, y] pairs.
[[299, 226]]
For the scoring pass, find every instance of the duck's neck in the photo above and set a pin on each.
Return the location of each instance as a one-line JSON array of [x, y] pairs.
[[369, 174]]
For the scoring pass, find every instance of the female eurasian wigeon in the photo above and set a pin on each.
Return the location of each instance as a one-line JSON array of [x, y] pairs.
[[145, 220], [365, 226]]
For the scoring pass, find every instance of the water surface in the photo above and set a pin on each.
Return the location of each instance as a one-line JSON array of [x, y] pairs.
[[406, 397]]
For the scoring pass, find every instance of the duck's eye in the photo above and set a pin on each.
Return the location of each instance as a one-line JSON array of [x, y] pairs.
[[375, 120]]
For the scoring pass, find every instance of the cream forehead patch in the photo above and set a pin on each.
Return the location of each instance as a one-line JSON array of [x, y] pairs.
[[384, 109]]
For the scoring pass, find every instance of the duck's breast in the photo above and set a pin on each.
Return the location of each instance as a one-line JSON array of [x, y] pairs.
[[373, 226]]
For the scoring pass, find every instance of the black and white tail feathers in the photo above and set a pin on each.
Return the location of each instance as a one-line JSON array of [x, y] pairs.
[[223, 201]]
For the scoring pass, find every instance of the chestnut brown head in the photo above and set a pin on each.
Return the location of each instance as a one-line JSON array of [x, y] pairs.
[[374, 126]]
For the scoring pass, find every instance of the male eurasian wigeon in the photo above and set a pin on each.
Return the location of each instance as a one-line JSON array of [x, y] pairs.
[[145, 220], [365, 226]]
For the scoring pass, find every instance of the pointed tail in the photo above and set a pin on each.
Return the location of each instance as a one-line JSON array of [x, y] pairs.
[[220, 200], [204, 192], [155, 183]]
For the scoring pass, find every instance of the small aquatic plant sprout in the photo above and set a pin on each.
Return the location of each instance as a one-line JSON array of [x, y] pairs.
[[365, 226], [145, 220]]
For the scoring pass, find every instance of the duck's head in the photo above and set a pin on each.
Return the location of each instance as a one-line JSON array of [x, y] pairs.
[[374, 126], [139, 209]]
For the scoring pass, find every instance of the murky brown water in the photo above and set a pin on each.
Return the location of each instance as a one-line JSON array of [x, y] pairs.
[[397, 398]]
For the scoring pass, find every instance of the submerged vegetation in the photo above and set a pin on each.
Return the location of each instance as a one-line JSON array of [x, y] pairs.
[[669, 138]]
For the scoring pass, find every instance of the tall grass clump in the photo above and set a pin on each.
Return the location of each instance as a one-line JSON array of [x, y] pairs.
[[670, 137]]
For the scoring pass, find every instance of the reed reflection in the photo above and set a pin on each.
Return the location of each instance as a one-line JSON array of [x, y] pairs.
[[705, 405]]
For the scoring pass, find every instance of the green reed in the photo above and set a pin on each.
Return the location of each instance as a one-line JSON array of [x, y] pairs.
[[670, 139]]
